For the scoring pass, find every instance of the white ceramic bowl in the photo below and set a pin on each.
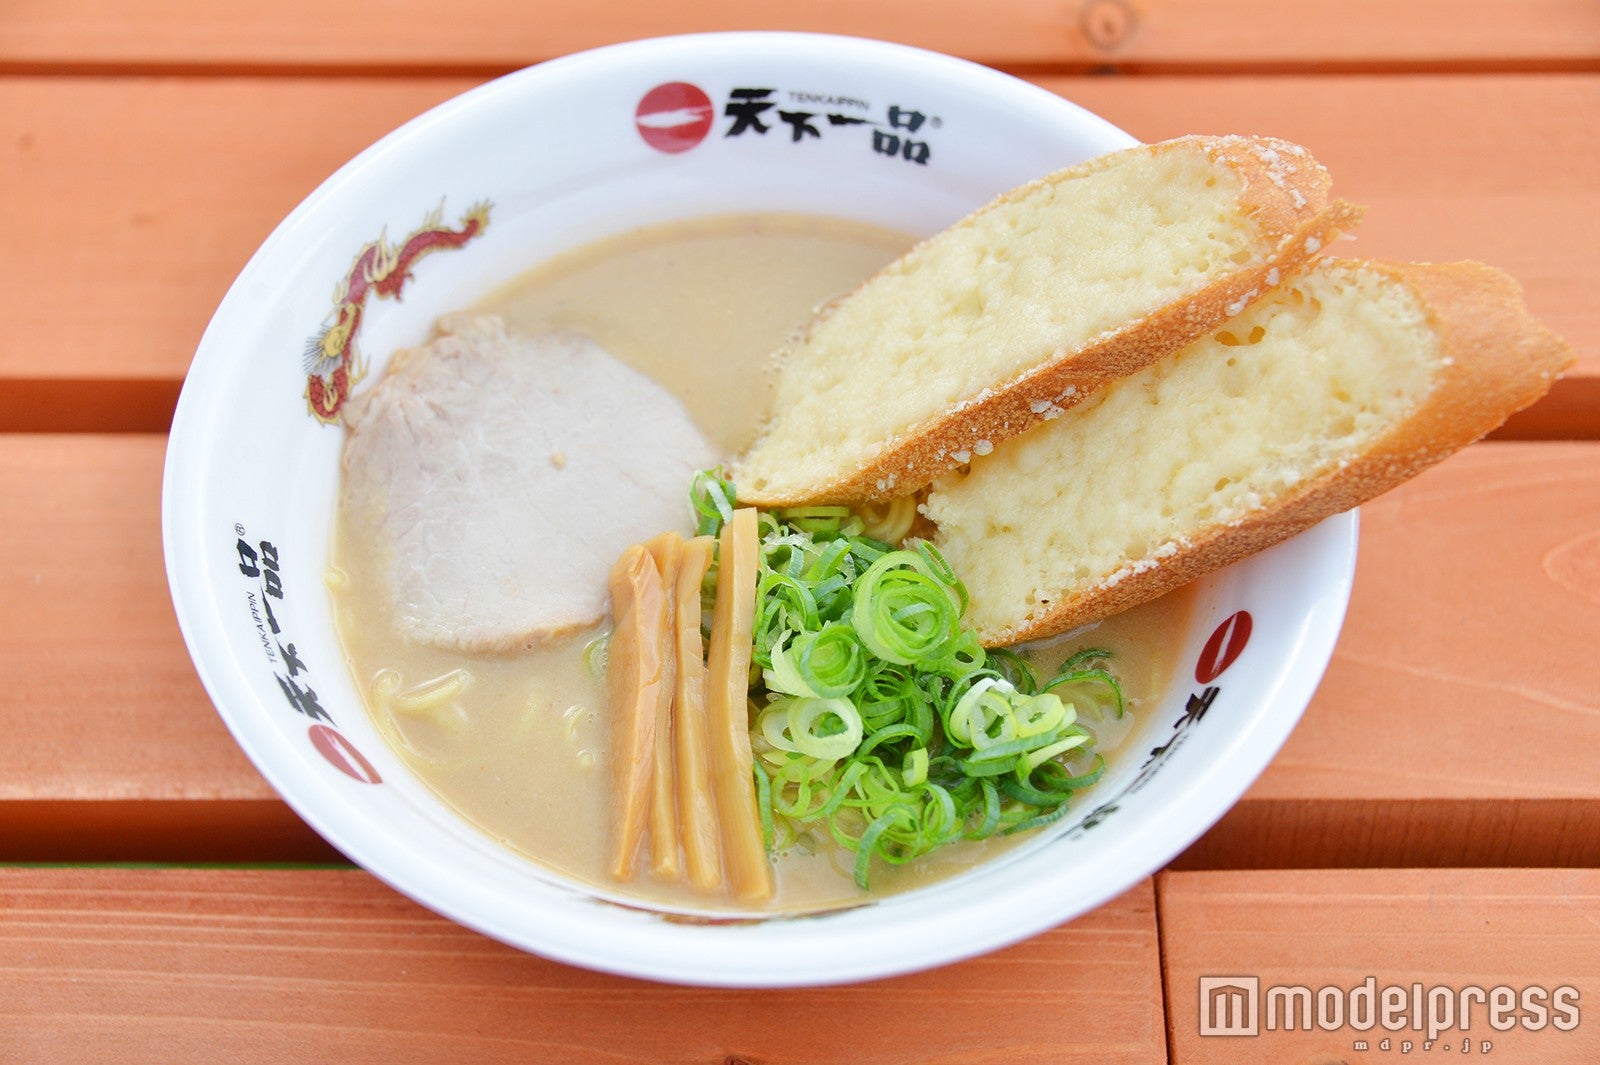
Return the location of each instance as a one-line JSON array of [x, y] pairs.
[[568, 152]]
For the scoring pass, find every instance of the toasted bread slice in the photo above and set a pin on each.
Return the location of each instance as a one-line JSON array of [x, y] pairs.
[[1334, 388], [1034, 302]]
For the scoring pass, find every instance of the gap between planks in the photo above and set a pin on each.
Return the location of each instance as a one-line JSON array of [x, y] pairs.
[[501, 34], [1084, 67]]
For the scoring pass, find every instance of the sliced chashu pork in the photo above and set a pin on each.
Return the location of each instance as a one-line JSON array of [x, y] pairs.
[[499, 475]]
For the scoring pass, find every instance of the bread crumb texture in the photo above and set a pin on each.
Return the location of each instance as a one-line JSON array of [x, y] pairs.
[[1287, 392], [1041, 274]]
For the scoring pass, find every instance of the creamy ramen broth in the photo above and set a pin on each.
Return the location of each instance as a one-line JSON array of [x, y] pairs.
[[521, 750]]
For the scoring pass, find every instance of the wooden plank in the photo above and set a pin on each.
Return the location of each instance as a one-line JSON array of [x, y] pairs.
[[1458, 720], [112, 749], [327, 966], [1450, 929], [493, 35], [135, 201]]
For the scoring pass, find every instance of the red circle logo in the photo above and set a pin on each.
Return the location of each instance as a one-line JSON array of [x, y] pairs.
[[1225, 645], [343, 754], [673, 117]]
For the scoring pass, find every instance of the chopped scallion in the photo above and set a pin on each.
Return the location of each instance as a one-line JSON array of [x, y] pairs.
[[880, 717]]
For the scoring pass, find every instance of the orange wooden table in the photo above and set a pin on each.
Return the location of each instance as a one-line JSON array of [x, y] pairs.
[[1433, 823]]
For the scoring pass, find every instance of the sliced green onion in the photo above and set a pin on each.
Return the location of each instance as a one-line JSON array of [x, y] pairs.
[[1012, 668], [878, 737], [1095, 676], [1036, 758], [1086, 779], [914, 770], [1044, 713], [713, 498], [939, 570], [764, 805], [901, 613], [824, 728], [991, 812], [1038, 821], [868, 843], [876, 714], [831, 662], [782, 675], [1078, 659], [983, 717]]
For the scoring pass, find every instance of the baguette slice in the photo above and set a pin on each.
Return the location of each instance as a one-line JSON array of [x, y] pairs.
[[1331, 390], [1027, 306]]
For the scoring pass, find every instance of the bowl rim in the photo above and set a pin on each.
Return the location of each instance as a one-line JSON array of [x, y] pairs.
[[1030, 908]]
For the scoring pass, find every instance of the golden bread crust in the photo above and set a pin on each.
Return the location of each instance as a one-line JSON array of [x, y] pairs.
[[1496, 360], [1285, 192]]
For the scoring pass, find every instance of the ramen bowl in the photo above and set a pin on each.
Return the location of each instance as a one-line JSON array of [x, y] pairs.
[[520, 170]]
